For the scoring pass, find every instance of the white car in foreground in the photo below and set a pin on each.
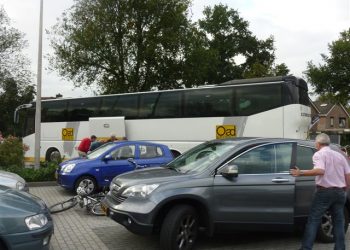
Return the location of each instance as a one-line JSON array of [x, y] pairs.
[[13, 181]]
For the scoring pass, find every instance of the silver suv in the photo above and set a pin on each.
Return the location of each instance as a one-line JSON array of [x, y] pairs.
[[221, 185]]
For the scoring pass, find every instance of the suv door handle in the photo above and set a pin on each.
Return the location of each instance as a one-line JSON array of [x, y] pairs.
[[279, 180]]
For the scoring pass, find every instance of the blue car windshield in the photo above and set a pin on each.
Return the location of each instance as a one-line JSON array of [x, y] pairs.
[[201, 156], [100, 150]]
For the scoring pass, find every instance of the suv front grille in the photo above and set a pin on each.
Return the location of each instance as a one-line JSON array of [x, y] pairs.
[[117, 194]]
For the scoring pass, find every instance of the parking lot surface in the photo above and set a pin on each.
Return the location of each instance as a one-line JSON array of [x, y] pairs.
[[76, 229]]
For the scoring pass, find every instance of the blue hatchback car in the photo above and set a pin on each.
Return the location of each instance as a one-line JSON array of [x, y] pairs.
[[109, 160]]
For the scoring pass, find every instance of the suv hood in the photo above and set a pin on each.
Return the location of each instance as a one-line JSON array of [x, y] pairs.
[[149, 176]]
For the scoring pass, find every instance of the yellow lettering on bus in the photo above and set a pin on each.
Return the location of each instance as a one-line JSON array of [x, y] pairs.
[[67, 134], [225, 131]]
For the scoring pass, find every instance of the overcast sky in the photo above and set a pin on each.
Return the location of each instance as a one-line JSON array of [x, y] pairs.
[[302, 30]]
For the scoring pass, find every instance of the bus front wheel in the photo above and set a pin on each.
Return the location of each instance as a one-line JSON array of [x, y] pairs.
[[53, 155]]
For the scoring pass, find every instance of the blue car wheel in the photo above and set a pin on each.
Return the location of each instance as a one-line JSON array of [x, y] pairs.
[[88, 183]]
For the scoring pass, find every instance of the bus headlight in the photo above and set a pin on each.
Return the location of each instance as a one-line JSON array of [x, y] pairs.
[[141, 190], [68, 168], [36, 221]]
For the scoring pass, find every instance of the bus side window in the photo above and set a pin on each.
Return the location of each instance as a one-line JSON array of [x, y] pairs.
[[54, 111], [147, 104], [168, 105], [251, 100], [83, 108], [208, 102]]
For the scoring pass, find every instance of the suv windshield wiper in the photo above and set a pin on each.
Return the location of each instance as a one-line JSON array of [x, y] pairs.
[[174, 169]]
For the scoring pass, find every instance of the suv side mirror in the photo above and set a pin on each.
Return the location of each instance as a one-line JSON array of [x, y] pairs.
[[229, 171]]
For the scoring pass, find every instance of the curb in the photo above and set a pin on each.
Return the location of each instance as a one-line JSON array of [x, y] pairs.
[[42, 184]]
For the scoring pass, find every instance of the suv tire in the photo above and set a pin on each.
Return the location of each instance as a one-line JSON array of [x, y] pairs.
[[179, 229], [324, 233]]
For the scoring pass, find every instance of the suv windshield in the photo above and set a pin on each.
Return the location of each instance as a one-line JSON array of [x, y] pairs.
[[99, 151], [201, 156]]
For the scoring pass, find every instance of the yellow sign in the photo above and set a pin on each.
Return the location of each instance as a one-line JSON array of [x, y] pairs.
[[67, 134], [225, 131]]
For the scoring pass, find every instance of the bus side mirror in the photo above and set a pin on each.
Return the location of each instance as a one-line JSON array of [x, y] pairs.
[[229, 171]]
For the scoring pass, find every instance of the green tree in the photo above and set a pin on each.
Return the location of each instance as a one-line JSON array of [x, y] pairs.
[[228, 37], [332, 78], [133, 45], [15, 76], [122, 46], [12, 95]]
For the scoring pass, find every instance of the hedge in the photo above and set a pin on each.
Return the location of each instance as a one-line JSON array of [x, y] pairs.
[[12, 160], [44, 173]]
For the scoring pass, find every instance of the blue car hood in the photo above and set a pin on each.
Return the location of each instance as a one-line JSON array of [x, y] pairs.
[[77, 161]]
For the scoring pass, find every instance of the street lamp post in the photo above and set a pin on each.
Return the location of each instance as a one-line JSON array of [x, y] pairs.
[[38, 92]]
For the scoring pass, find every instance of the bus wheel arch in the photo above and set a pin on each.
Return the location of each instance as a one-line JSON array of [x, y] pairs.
[[175, 153], [53, 155]]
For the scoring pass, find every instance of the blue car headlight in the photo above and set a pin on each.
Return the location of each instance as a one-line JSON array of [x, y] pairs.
[[67, 168], [36, 221]]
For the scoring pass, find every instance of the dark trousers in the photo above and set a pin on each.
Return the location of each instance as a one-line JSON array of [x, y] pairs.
[[333, 199]]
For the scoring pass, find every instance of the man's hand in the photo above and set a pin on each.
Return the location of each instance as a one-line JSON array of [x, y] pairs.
[[295, 172]]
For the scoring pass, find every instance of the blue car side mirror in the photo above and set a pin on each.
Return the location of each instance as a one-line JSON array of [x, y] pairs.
[[108, 158]]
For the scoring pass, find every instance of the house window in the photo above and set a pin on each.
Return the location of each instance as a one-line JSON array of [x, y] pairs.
[[332, 121], [342, 122]]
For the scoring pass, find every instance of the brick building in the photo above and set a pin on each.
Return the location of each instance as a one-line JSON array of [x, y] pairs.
[[333, 119]]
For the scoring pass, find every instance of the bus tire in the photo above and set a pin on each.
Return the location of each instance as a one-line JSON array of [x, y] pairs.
[[53, 155]]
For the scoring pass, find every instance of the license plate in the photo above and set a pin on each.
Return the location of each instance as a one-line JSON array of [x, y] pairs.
[[104, 208]]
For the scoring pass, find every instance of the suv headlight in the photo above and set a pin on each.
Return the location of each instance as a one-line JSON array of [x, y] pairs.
[[36, 221], [140, 190], [20, 185], [68, 168]]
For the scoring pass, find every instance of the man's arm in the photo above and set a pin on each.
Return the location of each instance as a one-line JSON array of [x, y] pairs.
[[347, 178], [312, 172]]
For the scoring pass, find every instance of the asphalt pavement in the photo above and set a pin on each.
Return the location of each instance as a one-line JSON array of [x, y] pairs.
[[76, 229]]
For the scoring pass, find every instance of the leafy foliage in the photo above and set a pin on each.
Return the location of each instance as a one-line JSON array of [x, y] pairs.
[[126, 46], [332, 78], [12, 160], [12, 96], [123, 45], [15, 77], [44, 173], [11, 152]]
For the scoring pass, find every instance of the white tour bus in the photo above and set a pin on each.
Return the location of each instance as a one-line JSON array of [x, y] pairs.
[[179, 118]]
